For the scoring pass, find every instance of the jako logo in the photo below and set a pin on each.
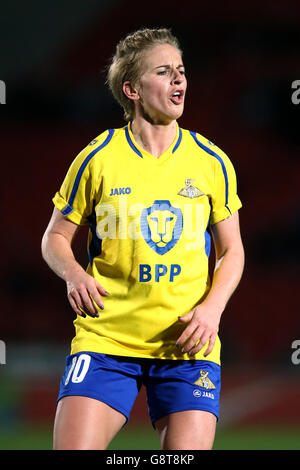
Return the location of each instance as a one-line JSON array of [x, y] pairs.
[[2, 92], [118, 191]]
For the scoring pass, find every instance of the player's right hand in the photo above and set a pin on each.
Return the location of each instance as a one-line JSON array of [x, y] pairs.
[[84, 293]]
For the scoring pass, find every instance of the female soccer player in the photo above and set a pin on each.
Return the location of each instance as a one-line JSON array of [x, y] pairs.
[[147, 313]]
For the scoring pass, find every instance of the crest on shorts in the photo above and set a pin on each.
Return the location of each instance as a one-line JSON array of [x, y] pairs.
[[189, 190], [204, 381]]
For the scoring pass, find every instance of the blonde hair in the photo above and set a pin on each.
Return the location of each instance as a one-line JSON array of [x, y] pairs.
[[126, 63]]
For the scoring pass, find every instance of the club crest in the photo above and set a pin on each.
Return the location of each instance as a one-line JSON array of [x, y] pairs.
[[161, 226], [189, 190], [204, 381]]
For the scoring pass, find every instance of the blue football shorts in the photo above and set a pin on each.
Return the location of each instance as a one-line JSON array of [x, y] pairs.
[[171, 385]]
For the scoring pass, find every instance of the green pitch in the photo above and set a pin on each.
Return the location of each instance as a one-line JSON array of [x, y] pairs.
[[143, 438]]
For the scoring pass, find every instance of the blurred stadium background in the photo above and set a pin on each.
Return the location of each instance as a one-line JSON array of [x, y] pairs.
[[241, 59]]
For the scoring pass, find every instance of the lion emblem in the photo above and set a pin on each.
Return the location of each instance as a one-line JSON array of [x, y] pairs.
[[161, 226]]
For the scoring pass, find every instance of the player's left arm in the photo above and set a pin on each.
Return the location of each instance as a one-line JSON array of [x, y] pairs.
[[203, 321]]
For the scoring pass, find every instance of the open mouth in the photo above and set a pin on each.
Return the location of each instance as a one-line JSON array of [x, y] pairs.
[[177, 97]]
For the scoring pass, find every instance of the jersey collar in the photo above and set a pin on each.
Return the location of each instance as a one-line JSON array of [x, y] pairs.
[[144, 154]]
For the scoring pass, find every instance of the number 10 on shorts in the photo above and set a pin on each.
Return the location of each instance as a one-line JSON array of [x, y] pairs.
[[78, 369]]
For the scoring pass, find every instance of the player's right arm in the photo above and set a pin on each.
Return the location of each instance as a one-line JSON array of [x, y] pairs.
[[58, 254]]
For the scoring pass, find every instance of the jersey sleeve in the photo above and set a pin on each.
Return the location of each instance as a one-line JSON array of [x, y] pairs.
[[76, 194], [225, 200]]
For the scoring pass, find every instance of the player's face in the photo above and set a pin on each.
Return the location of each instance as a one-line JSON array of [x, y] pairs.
[[162, 85]]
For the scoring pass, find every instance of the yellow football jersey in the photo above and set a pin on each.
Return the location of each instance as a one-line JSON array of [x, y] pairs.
[[149, 241]]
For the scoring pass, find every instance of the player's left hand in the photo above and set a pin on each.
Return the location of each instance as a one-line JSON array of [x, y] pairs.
[[203, 325]]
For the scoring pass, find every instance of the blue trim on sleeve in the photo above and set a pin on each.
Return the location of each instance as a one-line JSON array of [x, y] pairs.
[[131, 143], [67, 209], [214, 154], [81, 170]]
